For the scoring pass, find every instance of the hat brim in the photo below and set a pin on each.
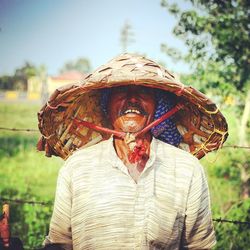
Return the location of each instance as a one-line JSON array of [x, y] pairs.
[[201, 124]]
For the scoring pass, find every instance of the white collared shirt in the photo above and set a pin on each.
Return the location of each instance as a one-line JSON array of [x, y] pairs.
[[99, 206]]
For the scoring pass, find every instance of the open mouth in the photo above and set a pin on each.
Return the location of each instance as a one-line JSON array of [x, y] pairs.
[[133, 109]]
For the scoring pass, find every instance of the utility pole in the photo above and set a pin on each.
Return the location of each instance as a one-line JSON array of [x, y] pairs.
[[44, 87], [127, 36]]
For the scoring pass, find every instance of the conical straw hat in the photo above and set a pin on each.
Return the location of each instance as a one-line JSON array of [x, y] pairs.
[[201, 124]]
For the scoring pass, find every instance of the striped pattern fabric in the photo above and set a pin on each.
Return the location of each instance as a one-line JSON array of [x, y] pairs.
[[99, 206]]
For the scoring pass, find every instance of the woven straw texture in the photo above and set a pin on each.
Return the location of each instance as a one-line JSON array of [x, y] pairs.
[[200, 123]]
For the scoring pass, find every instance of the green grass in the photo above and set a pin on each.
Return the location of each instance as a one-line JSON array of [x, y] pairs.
[[19, 115], [29, 171], [27, 174], [21, 166]]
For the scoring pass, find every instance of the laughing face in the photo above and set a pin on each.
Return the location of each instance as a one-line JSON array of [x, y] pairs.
[[131, 108]]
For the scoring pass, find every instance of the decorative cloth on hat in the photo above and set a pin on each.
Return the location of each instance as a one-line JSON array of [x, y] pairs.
[[166, 131], [105, 94]]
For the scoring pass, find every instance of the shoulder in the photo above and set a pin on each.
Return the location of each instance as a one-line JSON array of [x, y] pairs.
[[85, 156], [182, 161], [91, 150], [164, 150]]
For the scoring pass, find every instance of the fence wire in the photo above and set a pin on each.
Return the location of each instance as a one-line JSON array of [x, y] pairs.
[[37, 130], [220, 220], [49, 204], [30, 202], [19, 129], [43, 203]]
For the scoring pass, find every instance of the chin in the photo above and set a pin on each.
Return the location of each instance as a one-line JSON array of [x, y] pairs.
[[129, 125], [133, 128]]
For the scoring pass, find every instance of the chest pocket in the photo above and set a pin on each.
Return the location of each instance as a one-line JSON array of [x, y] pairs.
[[164, 225]]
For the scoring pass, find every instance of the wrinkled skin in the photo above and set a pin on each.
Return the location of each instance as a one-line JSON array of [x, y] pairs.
[[131, 108]]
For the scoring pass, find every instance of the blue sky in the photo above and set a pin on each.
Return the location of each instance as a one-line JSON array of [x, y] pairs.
[[52, 32]]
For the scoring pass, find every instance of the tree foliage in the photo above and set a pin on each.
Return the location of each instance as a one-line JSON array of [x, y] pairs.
[[216, 30], [235, 236], [20, 78], [216, 33], [126, 36], [82, 65]]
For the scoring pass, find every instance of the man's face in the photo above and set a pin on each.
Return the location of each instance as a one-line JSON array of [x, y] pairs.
[[131, 108]]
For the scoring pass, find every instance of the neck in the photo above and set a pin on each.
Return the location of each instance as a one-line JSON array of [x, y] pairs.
[[124, 148]]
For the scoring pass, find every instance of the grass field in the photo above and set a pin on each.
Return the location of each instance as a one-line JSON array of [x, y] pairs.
[[27, 174], [22, 167]]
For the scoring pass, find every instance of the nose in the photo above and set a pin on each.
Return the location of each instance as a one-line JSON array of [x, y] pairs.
[[132, 95]]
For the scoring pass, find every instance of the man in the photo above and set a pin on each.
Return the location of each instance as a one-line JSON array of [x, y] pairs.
[[130, 110], [132, 191]]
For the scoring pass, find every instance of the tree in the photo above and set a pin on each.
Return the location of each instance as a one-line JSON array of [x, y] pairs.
[[82, 65], [19, 80], [42, 74], [6, 82], [22, 75], [216, 33], [127, 36]]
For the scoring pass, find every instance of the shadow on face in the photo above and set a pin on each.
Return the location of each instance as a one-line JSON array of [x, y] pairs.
[[131, 108]]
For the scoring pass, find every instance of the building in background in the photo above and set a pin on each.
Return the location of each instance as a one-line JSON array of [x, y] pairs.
[[39, 88]]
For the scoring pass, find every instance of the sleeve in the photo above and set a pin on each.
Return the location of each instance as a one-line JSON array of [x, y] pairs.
[[198, 229], [60, 224]]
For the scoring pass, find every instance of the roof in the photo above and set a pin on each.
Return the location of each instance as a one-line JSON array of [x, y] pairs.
[[70, 75]]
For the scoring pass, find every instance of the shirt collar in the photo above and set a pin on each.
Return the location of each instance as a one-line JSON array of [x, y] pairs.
[[116, 161]]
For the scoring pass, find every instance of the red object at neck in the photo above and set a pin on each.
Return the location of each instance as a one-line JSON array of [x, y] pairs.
[[138, 152], [139, 149]]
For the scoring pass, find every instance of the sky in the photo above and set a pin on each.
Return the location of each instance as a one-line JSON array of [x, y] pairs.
[[52, 32]]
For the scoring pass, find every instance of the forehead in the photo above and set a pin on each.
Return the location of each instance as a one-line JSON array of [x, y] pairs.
[[132, 89]]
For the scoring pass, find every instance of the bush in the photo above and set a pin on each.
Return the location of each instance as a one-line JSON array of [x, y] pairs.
[[235, 236], [28, 222]]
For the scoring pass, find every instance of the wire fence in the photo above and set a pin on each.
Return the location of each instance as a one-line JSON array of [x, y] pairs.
[[232, 221], [30, 202], [19, 129], [49, 204], [37, 130]]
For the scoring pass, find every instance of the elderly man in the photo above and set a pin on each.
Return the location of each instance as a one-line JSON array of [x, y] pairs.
[[135, 189]]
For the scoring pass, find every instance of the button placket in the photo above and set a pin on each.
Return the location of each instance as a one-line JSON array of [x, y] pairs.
[[139, 211]]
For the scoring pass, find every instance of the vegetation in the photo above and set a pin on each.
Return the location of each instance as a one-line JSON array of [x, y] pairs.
[[19, 81], [126, 36], [81, 64], [216, 34], [28, 175]]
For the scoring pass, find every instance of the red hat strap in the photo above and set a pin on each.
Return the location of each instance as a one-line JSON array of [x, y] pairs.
[[122, 135]]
